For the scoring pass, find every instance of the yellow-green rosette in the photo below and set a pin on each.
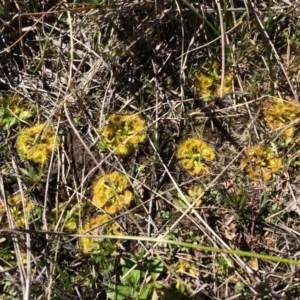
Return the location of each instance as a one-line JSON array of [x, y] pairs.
[[123, 134], [36, 143], [111, 193], [193, 153], [97, 225]]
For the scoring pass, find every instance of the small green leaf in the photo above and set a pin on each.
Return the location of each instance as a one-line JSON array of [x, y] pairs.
[[157, 285], [9, 122], [5, 15], [274, 207], [25, 115], [239, 287], [24, 172]]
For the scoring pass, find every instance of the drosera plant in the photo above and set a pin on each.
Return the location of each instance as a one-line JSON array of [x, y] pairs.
[[280, 114], [261, 162], [36, 143], [111, 193], [15, 205], [185, 265], [208, 80], [184, 268], [123, 134], [193, 153], [68, 215], [16, 210], [13, 110], [97, 225], [225, 268], [193, 196]]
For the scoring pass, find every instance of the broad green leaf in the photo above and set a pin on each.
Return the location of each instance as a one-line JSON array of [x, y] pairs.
[[118, 292], [133, 278], [146, 292], [156, 268]]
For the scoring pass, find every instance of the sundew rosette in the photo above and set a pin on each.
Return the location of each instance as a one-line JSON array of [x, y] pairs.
[[68, 215], [185, 265], [208, 80], [13, 110], [97, 225], [260, 163], [193, 153], [123, 134], [15, 205], [279, 114], [111, 193], [36, 143]]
